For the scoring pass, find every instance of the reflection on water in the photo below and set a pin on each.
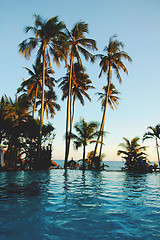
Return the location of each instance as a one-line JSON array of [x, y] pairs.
[[75, 205]]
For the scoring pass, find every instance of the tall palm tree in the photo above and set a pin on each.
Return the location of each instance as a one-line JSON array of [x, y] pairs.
[[47, 34], [113, 101], [80, 85], [77, 43], [112, 60], [133, 153], [153, 133], [86, 132]]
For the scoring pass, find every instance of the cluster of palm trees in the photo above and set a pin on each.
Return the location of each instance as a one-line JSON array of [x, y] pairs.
[[51, 38], [19, 133], [134, 153]]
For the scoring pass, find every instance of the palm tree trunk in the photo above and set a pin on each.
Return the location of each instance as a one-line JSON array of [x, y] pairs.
[[42, 102], [71, 121], [69, 136], [73, 104], [100, 151], [68, 115], [84, 153], [104, 112], [157, 151], [34, 107]]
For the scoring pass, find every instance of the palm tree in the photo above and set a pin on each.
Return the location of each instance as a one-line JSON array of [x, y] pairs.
[[133, 153], [80, 85], [50, 103], [33, 85], [112, 97], [77, 43], [47, 35], [153, 133], [112, 101], [86, 132], [112, 60]]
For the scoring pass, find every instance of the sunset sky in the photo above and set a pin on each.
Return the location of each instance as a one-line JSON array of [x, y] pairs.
[[135, 22]]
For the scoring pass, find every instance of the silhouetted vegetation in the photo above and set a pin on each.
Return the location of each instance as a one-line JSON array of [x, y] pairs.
[[19, 133], [134, 156], [28, 140]]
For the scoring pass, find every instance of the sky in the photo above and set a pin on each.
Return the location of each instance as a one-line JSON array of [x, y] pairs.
[[135, 22]]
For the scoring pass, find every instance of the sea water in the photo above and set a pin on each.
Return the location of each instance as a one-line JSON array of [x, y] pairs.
[[74, 205], [111, 165]]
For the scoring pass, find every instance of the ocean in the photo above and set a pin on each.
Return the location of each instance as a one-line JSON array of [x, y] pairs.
[[112, 165]]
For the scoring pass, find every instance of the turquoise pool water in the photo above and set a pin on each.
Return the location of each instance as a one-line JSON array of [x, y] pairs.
[[53, 205]]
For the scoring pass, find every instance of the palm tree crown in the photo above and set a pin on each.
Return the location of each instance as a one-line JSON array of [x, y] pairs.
[[133, 153], [153, 133], [113, 58], [50, 103], [78, 43], [33, 85], [113, 99], [47, 35]]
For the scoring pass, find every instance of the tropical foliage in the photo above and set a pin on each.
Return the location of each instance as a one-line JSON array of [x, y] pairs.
[[134, 155], [77, 44], [19, 134], [154, 132], [24, 136], [112, 60], [48, 35], [113, 101], [33, 86], [80, 85], [86, 133]]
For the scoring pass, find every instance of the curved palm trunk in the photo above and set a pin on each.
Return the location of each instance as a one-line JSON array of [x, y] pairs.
[[104, 112], [157, 151], [34, 107], [100, 151], [73, 104], [42, 102], [68, 116]]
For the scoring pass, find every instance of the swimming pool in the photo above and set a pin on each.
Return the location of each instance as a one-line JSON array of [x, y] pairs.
[[53, 205]]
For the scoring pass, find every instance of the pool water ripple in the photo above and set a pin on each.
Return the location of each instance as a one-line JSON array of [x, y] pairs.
[[76, 205]]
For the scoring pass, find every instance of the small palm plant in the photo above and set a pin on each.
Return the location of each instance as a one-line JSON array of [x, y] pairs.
[[133, 154], [153, 133], [86, 133]]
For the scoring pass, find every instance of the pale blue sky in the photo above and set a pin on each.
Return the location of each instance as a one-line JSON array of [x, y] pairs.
[[137, 25]]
